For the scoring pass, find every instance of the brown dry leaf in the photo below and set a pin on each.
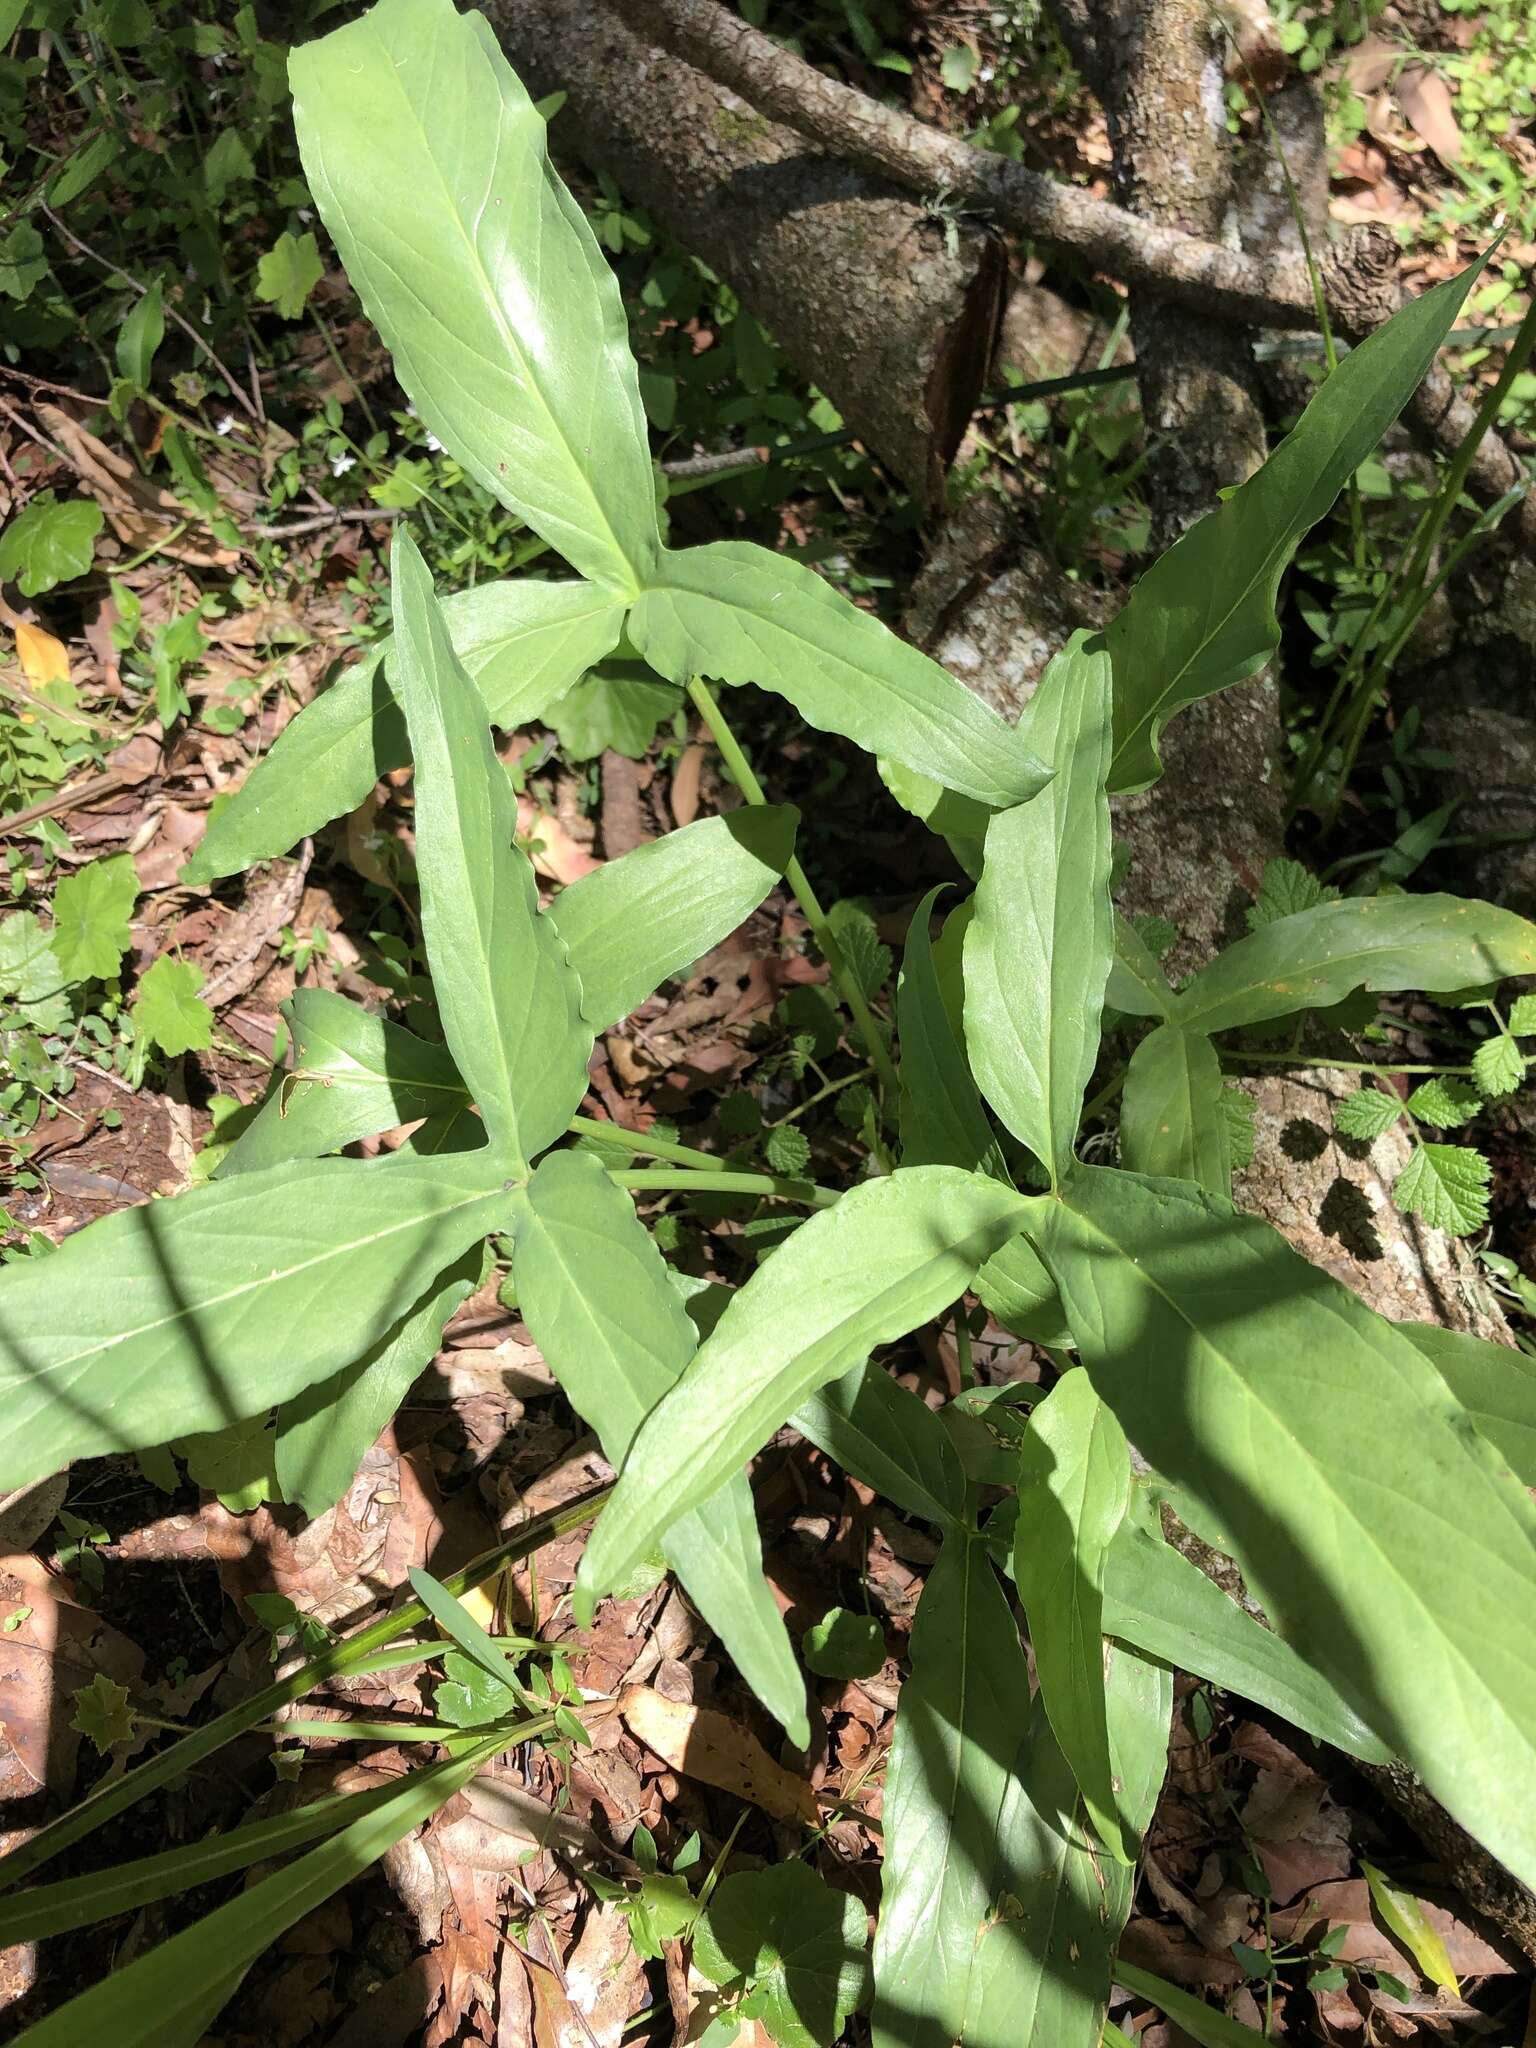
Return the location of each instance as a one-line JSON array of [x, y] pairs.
[[705, 1744], [685, 784], [555, 852], [1430, 112], [604, 1978], [50, 1646], [142, 515], [44, 660]]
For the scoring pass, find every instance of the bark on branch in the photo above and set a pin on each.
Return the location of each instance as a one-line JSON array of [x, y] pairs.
[[1203, 275], [891, 317]]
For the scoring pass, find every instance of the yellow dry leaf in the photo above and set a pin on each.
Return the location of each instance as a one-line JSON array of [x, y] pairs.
[[44, 660], [704, 1744]]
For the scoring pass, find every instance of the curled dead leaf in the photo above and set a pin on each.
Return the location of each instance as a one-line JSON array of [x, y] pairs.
[[705, 1744]]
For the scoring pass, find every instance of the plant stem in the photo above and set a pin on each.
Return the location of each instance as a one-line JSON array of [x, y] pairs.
[[741, 774], [827, 1088], [638, 1141], [1323, 1059], [728, 1184], [111, 1799]]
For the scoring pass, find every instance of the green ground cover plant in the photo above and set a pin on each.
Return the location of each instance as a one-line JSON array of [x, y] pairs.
[[1369, 1478]]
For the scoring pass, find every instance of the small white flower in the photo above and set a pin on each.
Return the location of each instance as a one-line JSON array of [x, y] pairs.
[[340, 464], [225, 425], [434, 444]]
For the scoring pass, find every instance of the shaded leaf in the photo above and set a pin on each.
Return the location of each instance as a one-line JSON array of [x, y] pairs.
[[289, 272], [888, 1256], [594, 1292], [49, 542], [942, 1120], [889, 1439], [797, 1944], [166, 1312], [620, 709], [1157, 1600], [844, 1645], [1312, 1441]]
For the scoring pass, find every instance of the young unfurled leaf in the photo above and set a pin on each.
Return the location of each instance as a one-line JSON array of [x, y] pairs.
[[618, 707], [844, 1645], [521, 643], [1383, 943], [1313, 1440], [735, 612], [430, 165], [1173, 1119], [1443, 1102], [1404, 1916], [1367, 1113], [1203, 616], [1202, 2022], [167, 1009], [1038, 950], [1286, 888], [1497, 1066], [91, 909], [31, 976], [102, 1713], [942, 1120], [139, 337], [795, 1946], [595, 1294], [890, 1254], [49, 542], [1494, 1383], [289, 272], [635, 921], [1166, 1606], [509, 1001], [1074, 1486], [1447, 1185], [159, 1319]]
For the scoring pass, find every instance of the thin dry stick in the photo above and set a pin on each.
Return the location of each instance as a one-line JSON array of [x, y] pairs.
[[237, 390]]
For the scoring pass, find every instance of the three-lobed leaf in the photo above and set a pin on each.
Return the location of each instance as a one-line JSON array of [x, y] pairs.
[[734, 612], [595, 1295], [888, 1256], [430, 166], [160, 1320], [509, 1000], [1038, 951], [522, 644]]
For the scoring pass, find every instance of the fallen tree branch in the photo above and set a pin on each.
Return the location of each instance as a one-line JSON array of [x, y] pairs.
[[1203, 275]]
